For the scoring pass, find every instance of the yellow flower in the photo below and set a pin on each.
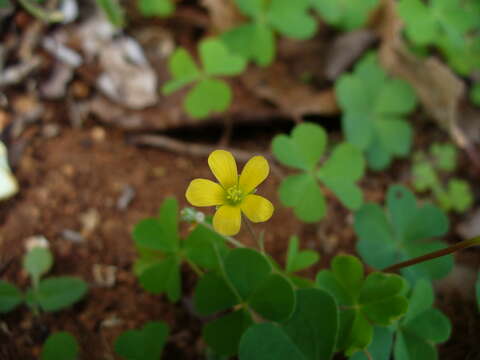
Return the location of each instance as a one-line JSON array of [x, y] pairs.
[[234, 194]]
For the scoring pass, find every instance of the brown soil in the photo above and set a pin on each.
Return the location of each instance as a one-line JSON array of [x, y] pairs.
[[82, 172]]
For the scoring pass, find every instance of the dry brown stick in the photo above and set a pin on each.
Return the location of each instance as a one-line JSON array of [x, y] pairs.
[[435, 254], [198, 150]]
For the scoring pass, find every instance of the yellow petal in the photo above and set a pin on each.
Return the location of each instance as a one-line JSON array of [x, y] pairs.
[[227, 220], [257, 208], [203, 192], [224, 167], [253, 173]]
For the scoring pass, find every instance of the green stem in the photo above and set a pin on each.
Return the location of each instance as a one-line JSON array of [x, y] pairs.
[[433, 255], [42, 14], [194, 267], [228, 238], [256, 239]]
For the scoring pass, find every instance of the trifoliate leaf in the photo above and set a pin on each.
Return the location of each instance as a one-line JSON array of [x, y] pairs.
[[376, 300], [444, 156], [422, 327], [404, 232], [208, 94], [460, 195], [303, 150], [374, 109], [255, 40]]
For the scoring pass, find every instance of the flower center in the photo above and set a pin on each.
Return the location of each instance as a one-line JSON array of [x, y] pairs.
[[234, 195]]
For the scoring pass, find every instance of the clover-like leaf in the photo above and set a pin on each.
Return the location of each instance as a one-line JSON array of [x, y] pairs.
[[380, 348], [343, 168], [209, 94], [303, 194], [255, 287], [422, 327], [303, 150], [223, 334], [10, 297], [309, 334], [203, 246], [56, 293], [144, 344], [60, 346], [444, 156], [163, 276], [213, 294], [460, 194], [375, 300], [346, 15], [401, 234], [374, 109], [299, 260], [156, 7], [427, 22], [160, 233], [255, 40]]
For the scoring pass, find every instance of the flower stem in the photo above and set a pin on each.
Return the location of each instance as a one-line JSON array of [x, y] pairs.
[[258, 240], [227, 238], [433, 255]]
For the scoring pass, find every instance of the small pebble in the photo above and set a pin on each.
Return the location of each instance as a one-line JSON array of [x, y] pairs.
[[72, 236]]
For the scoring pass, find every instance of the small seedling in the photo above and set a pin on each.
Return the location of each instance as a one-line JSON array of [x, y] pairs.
[[364, 301], [422, 328], [60, 346], [346, 15], [303, 150], [47, 294], [144, 344], [427, 171], [255, 40], [402, 233], [209, 94], [374, 110]]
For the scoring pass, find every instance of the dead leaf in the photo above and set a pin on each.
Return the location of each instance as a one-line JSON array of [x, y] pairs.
[[441, 92]]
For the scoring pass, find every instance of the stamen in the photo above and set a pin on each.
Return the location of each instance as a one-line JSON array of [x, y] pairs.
[[234, 194]]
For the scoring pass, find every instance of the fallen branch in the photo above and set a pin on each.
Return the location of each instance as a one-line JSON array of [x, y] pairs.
[[197, 150]]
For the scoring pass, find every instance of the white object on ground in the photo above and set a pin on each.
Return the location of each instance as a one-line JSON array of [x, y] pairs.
[[8, 183]]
